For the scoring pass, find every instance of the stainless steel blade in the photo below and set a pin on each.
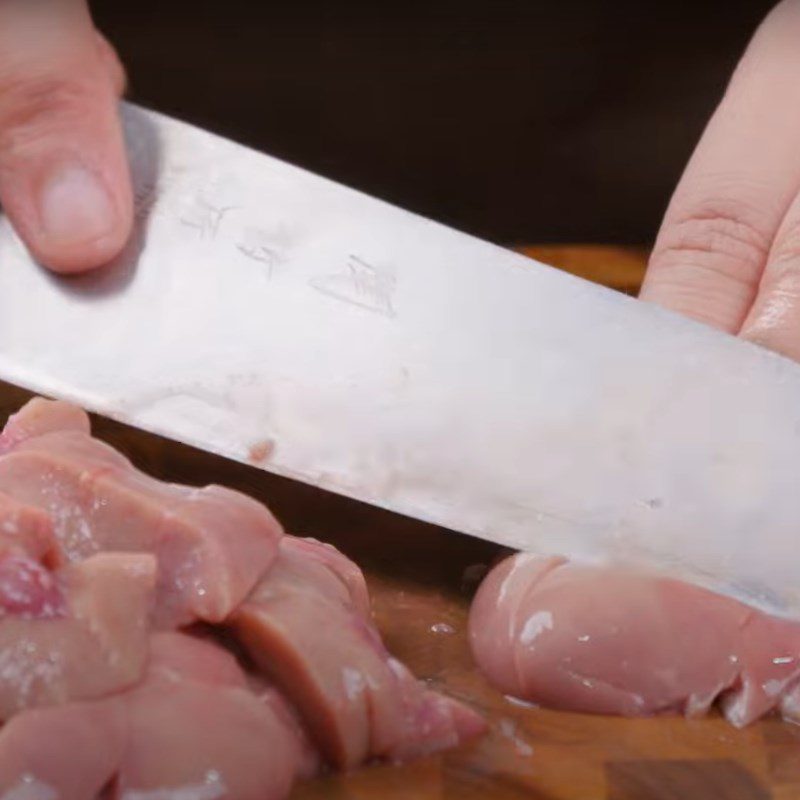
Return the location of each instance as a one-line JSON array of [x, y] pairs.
[[275, 317]]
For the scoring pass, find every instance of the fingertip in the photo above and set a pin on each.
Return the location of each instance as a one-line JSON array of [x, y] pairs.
[[67, 190], [82, 222], [80, 256], [64, 175]]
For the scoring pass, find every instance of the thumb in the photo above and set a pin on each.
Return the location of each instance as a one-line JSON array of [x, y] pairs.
[[64, 179]]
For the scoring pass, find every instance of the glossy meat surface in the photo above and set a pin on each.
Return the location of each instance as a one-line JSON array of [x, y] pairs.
[[212, 543], [614, 641], [26, 529], [65, 752], [120, 600], [40, 416], [194, 726], [306, 626], [75, 635]]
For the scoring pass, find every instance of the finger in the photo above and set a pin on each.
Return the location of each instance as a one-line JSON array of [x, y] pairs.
[[774, 319], [741, 179], [114, 69], [64, 179]]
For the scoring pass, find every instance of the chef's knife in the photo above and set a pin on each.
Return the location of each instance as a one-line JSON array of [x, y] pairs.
[[274, 317]]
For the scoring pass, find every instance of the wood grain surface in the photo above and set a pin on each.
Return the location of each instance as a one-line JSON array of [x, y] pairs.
[[421, 579]]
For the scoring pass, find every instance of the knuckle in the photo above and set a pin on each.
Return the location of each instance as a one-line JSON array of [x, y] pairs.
[[721, 237], [31, 108], [784, 259], [112, 64]]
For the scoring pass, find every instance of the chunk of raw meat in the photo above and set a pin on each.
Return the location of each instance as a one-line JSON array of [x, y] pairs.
[[42, 416], [212, 544], [67, 752], [178, 656], [220, 743], [79, 634], [28, 590], [96, 557], [308, 758], [337, 564], [191, 729], [196, 729], [606, 640], [308, 631], [25, 529]]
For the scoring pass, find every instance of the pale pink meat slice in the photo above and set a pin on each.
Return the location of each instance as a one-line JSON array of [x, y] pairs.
[[191, 729], [40, 416], [78, 635], [212, 544], [220, 743], [607, 640], [307, 756], [337, 564], [26, 529], [196, 730], [310, 762], [175, 656], [305, 629], [67, 752], [137, 553]]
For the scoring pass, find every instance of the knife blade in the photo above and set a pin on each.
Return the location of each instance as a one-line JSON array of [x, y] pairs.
[[274, 317]]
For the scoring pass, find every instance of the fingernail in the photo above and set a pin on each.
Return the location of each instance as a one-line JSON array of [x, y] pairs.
[[75, 206]]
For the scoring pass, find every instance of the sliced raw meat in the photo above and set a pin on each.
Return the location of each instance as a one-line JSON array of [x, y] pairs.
[[197, 731], [79, 635], [66, 752], [614, 641], [95, 556], [42, 416], [191, 729], [307, 756], [178, 656], [212, 544], [339, 565], [304, 629], [209, 743], [25, 529], [28, 590]]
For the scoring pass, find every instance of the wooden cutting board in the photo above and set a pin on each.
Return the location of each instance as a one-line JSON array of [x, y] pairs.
[[421, 580]]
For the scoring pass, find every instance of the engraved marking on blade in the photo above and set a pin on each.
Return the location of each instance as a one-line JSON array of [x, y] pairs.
[[206, 217], [255, 245], [360, 284]]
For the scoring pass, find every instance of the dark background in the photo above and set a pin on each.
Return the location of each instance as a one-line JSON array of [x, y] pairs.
[[555, 121]]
